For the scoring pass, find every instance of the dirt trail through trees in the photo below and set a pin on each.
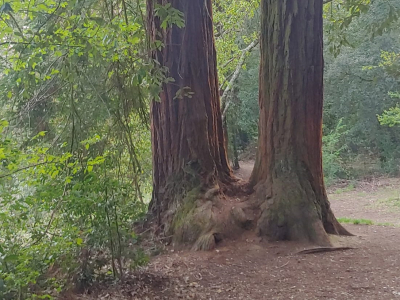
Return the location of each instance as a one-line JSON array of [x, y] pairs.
[[251, 268]]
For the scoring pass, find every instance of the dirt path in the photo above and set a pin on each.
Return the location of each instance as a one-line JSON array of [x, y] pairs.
[[246, 167], [376, 200], [253, 269]]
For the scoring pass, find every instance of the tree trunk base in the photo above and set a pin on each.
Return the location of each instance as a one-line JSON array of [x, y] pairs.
[[293, 210], [204, 217]]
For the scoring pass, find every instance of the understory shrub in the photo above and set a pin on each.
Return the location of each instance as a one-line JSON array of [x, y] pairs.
[[66, 219]]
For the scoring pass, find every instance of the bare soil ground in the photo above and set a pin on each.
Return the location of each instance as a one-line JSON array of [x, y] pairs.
[[251, 268], [376, 199]]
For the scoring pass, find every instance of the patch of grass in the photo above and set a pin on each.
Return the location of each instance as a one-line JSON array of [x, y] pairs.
[[348, 188], [365, 222], [386, 224], [355, 221], [394, 201]]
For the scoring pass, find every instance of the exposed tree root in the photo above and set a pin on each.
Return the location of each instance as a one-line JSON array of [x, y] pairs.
[[202, 217], [205, 242], [324, 249]]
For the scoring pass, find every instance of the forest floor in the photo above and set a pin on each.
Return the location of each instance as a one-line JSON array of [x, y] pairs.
[[251, 268]]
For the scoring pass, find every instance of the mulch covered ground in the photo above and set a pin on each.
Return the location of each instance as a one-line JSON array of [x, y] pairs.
[[251, 268]]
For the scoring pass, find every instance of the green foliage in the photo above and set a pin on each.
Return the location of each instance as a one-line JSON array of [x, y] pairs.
[[357, 82], [63, 216], [332, 153], [235, 27], [391, 64], [245, 111], [75, 156], [339, 14], [391, 117], [169, 16], [384, 17]]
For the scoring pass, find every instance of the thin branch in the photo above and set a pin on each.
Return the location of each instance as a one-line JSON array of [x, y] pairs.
[[28, 167], [228, 62], [225, 103], [30, 43]]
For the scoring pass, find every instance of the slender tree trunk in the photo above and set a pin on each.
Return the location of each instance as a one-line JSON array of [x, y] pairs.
[[189, 156], [288, 173], [224, 125], [226, 135], [235, 164]]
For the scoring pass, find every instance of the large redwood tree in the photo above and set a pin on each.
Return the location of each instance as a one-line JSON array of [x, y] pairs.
[[288, 175], [189, 156]]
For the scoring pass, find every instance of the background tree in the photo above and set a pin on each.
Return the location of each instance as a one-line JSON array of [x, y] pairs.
[[356, 90]]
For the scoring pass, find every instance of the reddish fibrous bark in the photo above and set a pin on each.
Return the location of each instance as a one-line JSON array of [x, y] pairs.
[[189, 154], [187, 134], [288, 175]]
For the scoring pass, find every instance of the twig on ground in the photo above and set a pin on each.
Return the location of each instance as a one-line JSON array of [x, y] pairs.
[[283, 265]]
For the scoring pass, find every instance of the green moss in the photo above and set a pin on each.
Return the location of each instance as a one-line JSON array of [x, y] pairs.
[[187, 206], [183, 224]]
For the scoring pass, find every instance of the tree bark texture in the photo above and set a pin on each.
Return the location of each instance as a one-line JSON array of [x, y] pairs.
[[189, 155], [288, 174]]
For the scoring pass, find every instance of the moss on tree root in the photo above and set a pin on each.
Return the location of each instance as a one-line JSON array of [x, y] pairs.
[[203, 217], [289, 208]]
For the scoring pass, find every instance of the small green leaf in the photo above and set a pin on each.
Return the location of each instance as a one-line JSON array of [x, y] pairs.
[[11, 258]]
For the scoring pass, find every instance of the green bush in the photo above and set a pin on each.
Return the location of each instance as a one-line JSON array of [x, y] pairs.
[[333, 148], [66, 219]]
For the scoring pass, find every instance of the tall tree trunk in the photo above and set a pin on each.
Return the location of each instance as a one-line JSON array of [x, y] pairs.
[[288, 173], [189, 156]]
